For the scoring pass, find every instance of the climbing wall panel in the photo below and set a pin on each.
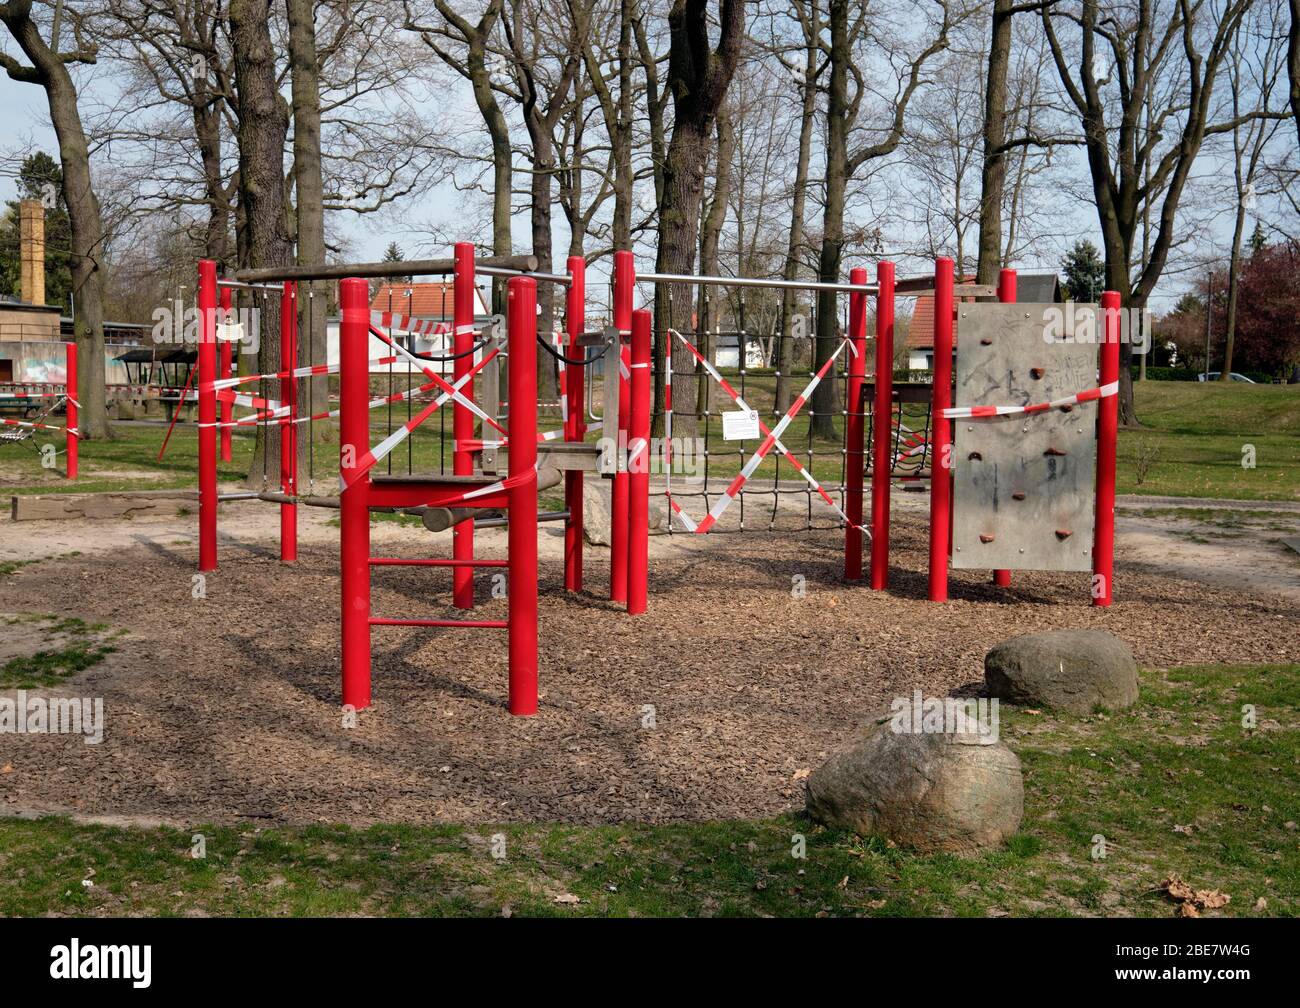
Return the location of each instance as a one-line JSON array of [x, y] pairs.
[[1024, 485]]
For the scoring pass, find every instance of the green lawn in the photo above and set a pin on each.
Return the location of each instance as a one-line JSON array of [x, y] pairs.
[[1197, 435], [1175, 786], [1192, 444]]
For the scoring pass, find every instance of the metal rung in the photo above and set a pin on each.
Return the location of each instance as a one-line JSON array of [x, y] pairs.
[[468, 623], [434, 562]]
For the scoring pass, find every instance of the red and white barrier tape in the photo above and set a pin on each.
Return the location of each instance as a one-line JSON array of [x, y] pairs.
[[30, 425], [384, 448], [469, 404], [1089, 395], [299, 372], [425, 327], [478, 444], [275, 417], [735, 396]]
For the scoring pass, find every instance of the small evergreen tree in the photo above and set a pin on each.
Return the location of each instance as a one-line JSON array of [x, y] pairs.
[[1085, 273]]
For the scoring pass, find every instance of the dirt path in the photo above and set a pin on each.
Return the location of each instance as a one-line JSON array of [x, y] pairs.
[[225, 708]]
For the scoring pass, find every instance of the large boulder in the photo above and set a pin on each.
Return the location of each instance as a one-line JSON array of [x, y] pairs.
[[959, 792], [1070, 670]]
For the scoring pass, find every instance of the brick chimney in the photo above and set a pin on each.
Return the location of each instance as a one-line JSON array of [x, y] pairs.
[[31, 241]]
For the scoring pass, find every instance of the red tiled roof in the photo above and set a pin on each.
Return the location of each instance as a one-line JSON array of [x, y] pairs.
[[921, 335], [427, 300]]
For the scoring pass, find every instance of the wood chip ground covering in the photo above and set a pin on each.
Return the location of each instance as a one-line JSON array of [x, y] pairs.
[[226, 709]]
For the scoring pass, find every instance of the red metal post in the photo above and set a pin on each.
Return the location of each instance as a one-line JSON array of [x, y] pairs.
[[576, 320], [638, 463], [71, 416], [1007, 295], [227, 355], [624, 282], [521, 317], [941, 466], [855, 429], [882, 419], [1103, 544], [354, 510], [462, 535], [207, 367], [288, 429]]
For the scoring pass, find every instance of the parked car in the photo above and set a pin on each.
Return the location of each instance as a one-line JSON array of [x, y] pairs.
[[1232, 375]]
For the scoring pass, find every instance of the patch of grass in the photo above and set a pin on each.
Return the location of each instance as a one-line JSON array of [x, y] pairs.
[[75, 646], [49, 668], [7, 567], [1182, 757]]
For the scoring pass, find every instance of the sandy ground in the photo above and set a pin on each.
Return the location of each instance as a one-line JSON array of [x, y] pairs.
[[225, 708]]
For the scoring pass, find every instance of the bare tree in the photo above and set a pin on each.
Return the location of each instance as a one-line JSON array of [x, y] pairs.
[[698, 77], [47, 66], [848, 152], [1254, 68], [546, 54], [805, 73], [715, 216], [263, 129], [1116, 62], [464, 45]]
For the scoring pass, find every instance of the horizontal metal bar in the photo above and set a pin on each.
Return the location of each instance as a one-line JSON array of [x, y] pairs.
[[483, 624], [412, 267], [434, 562], [243, 495], [545, 516], [757, 282], [250, 286], [559, 278]]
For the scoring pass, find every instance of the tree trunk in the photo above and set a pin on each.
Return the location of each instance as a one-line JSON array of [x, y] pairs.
[[993, 176], [655, 103], [313, 344], [823, 405], [1293, 62], [263, 127], [49, 69], [783, 357], [710, 237], [207, 133], [698, 77]]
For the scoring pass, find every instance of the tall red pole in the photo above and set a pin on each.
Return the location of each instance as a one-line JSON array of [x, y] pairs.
[[575, 320], [207, 304], [226, 360], [638, 463], [288, 429], [462, 535], [1007, 295], [882, 419], [624, 282], [854, 428], [354, 511], [941, 467], [521, 317], [71, 415], [1103, 544]]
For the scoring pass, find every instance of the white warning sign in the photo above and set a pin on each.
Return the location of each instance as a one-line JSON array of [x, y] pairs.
[[740, 425]]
